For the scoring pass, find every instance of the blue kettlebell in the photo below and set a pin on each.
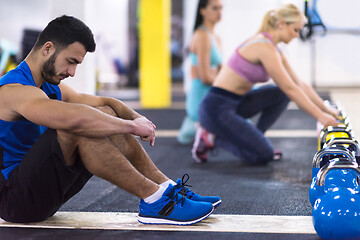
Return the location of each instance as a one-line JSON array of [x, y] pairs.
[[319, 161], [336, 213]]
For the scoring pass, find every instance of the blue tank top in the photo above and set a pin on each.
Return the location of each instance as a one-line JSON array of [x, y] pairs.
[[17, 137], [215, 53]]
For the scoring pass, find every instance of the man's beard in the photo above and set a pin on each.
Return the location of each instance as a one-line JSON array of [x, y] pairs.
[[48, 70]]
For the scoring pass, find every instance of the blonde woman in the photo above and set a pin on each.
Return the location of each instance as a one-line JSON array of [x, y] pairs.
[[206, 57], [232, 99]]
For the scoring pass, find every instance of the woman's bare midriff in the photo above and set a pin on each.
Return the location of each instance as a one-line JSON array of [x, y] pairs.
[[230, 81]]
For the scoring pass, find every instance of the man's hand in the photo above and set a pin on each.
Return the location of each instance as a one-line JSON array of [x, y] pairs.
[[145, 129]]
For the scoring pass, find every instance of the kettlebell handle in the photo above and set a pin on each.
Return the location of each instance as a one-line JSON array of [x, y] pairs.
[[335, 164], [330, 129], [352, 142], [327, 151]]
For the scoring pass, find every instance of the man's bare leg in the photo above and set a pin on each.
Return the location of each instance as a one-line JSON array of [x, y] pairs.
[[138, 157], [130, 147], [103, 159]]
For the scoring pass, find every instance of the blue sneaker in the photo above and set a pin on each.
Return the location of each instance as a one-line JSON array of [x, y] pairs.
[[183, 190], [173, 208]]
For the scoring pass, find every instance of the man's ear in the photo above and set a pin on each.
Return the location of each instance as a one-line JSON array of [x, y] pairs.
[[48, 48]]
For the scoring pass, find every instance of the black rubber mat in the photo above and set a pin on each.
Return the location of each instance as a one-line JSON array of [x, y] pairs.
[[281, 188], [172, 119]]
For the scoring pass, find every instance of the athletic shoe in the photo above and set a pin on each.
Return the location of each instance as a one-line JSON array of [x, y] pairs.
[[278, 155], [173, 208], [201, 146], [183, 190], [187, 131]]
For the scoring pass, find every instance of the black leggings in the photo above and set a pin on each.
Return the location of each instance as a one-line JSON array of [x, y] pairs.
[[225, 114]]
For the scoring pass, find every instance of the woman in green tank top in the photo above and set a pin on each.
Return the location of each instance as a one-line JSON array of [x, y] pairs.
[[206, 58]]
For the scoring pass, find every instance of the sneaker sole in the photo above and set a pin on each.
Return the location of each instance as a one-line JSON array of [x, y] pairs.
[[163, 221], [216, 204]]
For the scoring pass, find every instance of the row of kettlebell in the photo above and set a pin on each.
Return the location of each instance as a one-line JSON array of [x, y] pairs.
[[335, 186]]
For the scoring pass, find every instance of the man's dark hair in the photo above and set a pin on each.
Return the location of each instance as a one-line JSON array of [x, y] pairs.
[[65, 30]]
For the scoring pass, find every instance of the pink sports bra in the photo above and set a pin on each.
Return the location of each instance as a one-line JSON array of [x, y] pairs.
[[251, 72]]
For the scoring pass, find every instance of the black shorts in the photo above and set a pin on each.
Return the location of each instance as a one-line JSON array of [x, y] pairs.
[[41, 184]]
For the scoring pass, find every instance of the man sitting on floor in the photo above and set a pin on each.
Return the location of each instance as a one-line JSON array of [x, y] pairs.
[[53, 139]]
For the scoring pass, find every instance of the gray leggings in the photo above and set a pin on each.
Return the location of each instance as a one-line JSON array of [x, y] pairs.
[[225, 114]]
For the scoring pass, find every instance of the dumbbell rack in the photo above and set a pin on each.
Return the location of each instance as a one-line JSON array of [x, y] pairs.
[[334, 191]]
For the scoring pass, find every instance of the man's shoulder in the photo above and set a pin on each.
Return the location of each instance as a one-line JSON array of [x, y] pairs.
[[17, 75], [17, 92]]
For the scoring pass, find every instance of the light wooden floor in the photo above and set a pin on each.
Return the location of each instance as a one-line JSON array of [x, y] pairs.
[[215, 223]]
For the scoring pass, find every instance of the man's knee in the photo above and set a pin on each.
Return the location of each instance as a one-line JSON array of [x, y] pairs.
[[66, 136], [107, 110]]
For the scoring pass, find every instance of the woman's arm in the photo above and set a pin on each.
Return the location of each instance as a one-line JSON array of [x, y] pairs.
[[201, 46], [309, 91], [272, 61]]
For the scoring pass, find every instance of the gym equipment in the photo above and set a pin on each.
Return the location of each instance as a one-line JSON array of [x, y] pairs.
[[342, 131], [350, 144], [8, 52], [334, 189], [336, 212], [322, 158], [314, 21], [330, 132]]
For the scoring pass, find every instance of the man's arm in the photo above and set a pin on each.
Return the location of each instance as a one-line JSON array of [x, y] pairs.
[[33, 104], [122, 110]]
